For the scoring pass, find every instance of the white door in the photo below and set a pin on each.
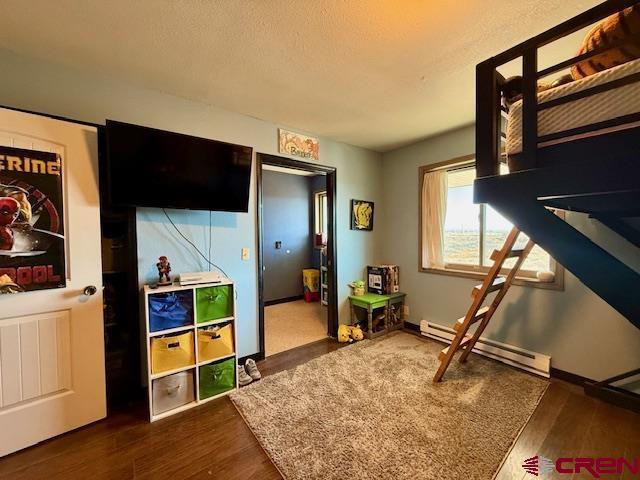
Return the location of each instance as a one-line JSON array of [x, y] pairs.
[[52, 376]]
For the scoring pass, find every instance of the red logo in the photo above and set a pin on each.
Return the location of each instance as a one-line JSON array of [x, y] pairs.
[[538, 465], [595, 466]]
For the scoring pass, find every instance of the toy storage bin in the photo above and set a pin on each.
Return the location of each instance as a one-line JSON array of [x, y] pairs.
[[170, 310], [173, 391], [217, 378], [213, 303], [172, 351], [215, 342], [311, 282]]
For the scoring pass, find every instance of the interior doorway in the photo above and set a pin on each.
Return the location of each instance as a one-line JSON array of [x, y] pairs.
[[296, 238]]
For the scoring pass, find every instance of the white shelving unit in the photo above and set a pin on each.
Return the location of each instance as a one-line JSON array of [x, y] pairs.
[[193, 326], [324, 274]]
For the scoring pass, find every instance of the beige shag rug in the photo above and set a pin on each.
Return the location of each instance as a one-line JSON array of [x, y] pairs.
[[371, 411], [292, 324]]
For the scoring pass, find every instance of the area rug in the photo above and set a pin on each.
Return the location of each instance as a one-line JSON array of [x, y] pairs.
[[371, 411]]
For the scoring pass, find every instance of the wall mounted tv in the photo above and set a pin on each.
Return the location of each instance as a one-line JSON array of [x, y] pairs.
[[153, 168]]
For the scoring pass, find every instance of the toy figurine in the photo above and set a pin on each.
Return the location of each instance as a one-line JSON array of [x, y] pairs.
[[164, 268]]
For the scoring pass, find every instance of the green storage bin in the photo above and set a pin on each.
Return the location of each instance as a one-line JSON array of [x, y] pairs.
[[217, 378], [213, 303]]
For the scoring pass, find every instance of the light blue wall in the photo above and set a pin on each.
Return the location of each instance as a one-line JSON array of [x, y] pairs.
[[42, 87], [582, 333]]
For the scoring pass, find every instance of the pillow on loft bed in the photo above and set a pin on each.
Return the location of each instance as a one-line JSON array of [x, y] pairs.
[[621, 26]]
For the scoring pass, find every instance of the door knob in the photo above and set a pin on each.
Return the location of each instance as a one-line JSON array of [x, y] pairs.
[[90, 290]]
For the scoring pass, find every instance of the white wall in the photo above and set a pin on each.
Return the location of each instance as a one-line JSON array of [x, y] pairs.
[[47, 88], [582, 333]]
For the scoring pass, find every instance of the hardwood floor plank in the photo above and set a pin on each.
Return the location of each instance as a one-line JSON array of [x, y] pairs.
[[212, 441], [532, 437], [567, 435]]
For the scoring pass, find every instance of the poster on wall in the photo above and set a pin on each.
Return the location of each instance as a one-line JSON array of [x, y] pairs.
[[361, 215], [298, 145], [32, 243]]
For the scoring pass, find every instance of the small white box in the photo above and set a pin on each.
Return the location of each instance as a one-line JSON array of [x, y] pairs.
[[196, 278]]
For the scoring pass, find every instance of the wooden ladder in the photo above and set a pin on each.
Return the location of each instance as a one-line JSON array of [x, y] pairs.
[[493, 282]]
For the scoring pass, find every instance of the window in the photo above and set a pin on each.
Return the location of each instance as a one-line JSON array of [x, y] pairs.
[[320, 202], [470, 232]]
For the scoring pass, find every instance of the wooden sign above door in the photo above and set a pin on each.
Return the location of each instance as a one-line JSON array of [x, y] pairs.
[[298, 145]]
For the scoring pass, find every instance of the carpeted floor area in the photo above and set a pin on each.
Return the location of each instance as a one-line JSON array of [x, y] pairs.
[[292, 324], [370, 410]]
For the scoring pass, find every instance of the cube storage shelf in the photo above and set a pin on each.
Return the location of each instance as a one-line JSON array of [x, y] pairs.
[[191, 345]]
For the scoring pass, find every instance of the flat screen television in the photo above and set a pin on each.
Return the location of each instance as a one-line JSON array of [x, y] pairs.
[[153, 168]]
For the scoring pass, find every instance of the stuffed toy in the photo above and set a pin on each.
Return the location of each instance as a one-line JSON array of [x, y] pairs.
[[349, 333], [622, 26], [512, 88], [358, 287], [344, 334], [356, 333]]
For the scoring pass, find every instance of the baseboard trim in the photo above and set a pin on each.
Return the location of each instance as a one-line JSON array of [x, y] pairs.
[[412, 326], [255, 356], [283, 300], [608, 393], [614, 395], [569, 377], [533, 362]]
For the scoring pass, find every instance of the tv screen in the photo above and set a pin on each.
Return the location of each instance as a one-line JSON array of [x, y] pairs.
[[153, 168]]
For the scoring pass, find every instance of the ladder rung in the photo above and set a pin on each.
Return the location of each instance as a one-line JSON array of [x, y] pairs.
[[479, 316], [495, 255], [497, 284], [443, 353], [445, 350]]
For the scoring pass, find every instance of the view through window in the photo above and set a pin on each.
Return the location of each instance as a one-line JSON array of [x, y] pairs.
[[472, 231], [321, 212]]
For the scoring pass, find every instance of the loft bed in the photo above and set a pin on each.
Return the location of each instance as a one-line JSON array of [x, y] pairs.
[[594, 116], [572, 145]]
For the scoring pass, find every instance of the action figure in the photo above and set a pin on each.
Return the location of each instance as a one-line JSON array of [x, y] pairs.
[[164, 268]]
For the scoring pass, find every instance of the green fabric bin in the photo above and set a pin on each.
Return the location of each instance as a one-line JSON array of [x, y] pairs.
[[213, 303], [217, 378]]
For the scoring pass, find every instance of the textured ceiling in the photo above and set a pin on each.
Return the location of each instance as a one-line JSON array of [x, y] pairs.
[[374, 73]]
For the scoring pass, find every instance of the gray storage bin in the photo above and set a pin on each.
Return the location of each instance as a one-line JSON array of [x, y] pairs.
[[173, 391]]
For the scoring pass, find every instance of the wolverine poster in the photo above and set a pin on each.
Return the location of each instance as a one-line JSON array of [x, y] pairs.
[[32, 248]]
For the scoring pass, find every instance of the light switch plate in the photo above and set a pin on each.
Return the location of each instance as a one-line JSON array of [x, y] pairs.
[[245, 253]]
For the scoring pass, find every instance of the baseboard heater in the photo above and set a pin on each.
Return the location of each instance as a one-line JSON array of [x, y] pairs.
[[517, 357]]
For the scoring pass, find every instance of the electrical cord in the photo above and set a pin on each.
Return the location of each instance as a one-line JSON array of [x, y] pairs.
[[209, 262], [210, 234]]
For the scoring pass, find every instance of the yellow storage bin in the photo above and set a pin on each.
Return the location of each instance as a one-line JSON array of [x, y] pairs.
[[172, 351], [215, 342]]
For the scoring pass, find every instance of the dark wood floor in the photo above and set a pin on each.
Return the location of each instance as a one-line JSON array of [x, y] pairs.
[[212, 441]]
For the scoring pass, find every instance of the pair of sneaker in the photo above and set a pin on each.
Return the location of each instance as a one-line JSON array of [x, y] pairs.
[[248, 373]]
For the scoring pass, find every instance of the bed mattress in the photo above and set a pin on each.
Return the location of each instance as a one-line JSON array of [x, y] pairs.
[[603, 106]]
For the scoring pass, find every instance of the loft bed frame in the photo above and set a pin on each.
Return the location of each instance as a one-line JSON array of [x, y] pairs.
[[489, 83], [598, 175], [489, 110]]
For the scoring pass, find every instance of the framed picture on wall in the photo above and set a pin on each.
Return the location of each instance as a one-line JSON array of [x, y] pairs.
[[361, 215]]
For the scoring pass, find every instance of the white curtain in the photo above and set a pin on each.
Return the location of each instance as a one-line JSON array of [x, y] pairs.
[[434, 211]]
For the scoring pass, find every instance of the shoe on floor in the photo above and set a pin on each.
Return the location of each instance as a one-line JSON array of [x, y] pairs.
[[252, 369], [243, 377]]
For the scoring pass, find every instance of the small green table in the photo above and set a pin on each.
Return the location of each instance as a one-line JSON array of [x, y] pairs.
[[372, 301]]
